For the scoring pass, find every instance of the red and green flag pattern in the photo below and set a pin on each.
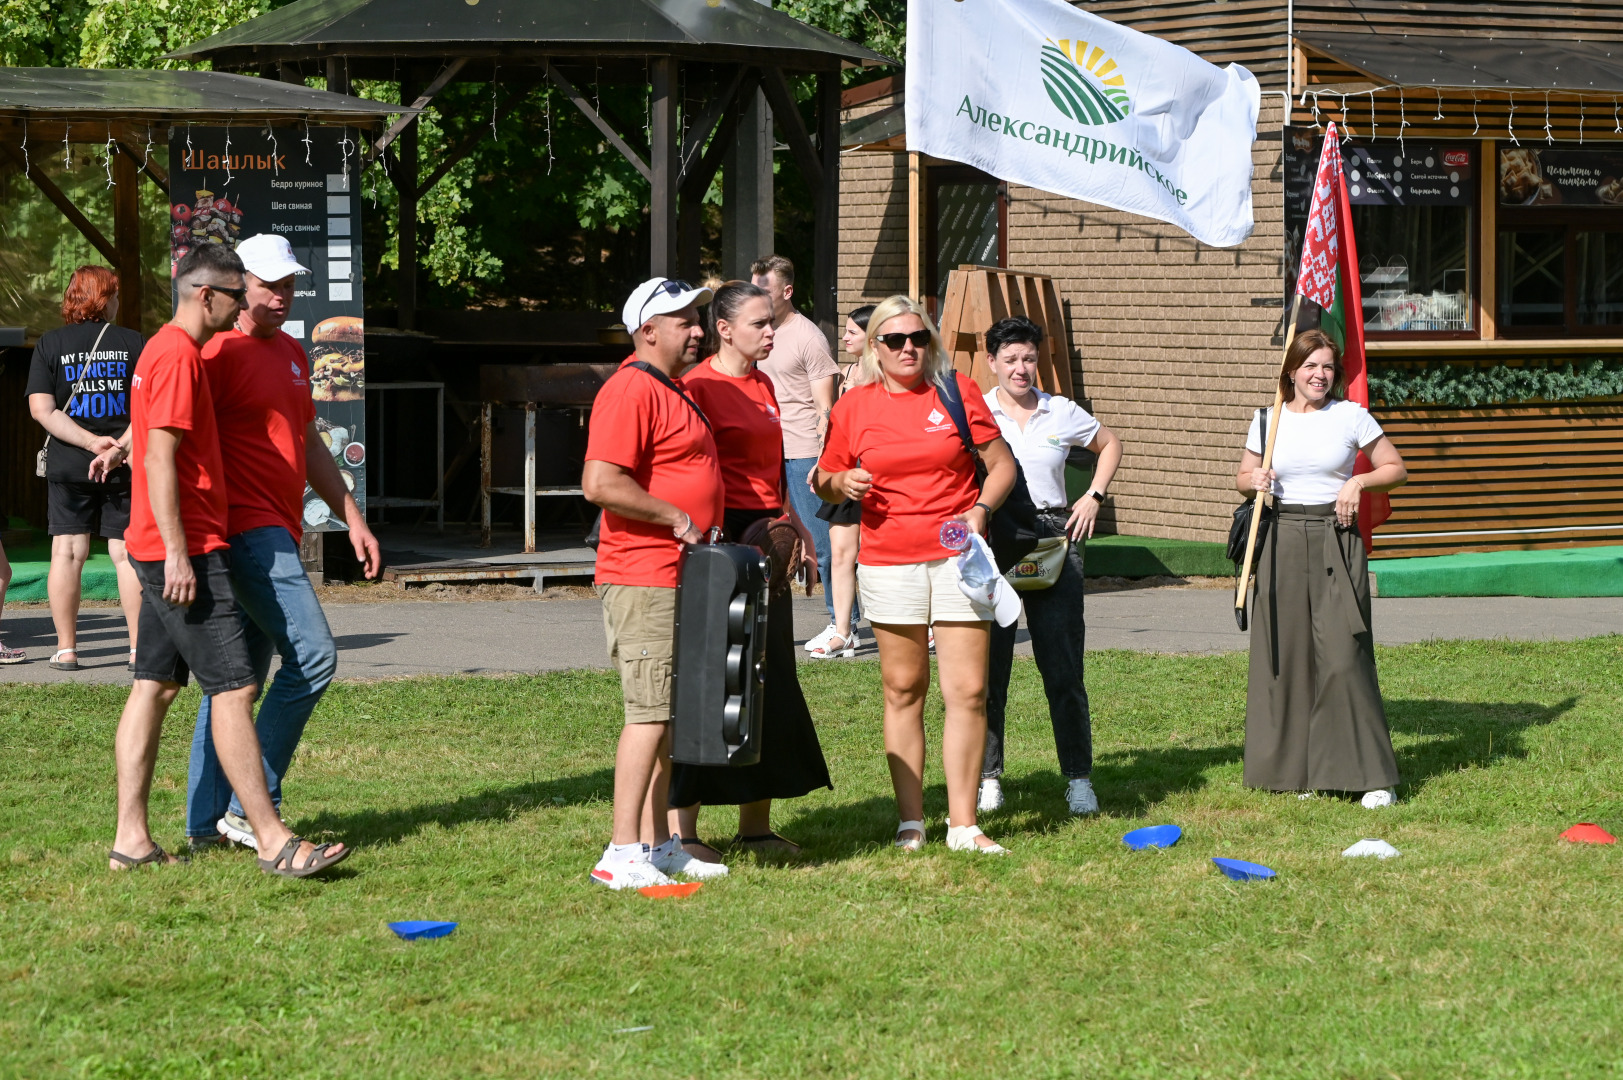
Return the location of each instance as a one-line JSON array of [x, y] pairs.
[[1328, 277]]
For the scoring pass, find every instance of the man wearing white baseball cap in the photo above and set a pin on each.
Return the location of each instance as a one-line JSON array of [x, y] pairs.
[[651, 464], [260, 376]]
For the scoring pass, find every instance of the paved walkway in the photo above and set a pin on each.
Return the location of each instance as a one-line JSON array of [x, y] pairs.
[[397, 638]]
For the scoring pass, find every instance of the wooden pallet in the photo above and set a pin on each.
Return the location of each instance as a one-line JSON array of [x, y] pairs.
[[536, 573], [978, 296]]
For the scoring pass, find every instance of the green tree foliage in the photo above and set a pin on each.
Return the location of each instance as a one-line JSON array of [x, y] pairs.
[[879, 24], [136, 33], [1470, 387], [41, 33]]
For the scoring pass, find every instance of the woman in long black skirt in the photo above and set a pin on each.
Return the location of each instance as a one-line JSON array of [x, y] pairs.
[[743, 413], [1313, 718]]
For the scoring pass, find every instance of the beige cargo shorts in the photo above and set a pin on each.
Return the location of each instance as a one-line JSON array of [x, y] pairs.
[[640, 624]]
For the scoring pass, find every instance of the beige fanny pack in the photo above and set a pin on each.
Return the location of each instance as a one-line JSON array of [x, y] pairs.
[[1042, 567]]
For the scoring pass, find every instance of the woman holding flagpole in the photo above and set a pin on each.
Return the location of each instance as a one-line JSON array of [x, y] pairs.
[[1314, 719]]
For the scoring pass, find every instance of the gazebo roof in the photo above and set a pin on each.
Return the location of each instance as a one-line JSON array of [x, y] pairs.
[[112, 95], [738, 31]]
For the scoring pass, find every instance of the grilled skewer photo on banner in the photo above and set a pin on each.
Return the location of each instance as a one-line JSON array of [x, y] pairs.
[[1327, 278]]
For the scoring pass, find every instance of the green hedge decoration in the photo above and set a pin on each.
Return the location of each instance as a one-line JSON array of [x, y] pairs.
[[1497, 384]]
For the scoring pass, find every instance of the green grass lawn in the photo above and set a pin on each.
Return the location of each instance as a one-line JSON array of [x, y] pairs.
[[1490, 948]]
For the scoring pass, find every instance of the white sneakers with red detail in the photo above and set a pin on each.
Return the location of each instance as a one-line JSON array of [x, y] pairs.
[[622, 869]]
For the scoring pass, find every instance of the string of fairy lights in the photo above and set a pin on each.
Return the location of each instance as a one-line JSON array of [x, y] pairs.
[[1310, 99]]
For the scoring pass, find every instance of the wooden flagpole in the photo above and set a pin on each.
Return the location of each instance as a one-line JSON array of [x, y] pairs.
[[1267, 460]]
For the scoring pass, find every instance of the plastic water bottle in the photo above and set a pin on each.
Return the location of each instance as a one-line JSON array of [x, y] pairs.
[[954, 535]]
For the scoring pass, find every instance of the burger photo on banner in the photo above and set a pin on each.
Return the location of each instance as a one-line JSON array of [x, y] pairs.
[[230, 186]]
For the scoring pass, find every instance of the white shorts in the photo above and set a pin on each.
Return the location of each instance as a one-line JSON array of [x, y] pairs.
[[916, 594]]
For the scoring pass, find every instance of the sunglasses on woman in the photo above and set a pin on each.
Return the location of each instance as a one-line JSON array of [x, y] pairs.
[[894, 342]]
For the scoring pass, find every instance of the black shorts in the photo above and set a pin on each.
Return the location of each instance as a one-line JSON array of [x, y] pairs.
[[206, 639], [72, 505], [846, 512]]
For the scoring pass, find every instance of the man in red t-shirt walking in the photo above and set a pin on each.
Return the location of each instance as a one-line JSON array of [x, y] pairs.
[[177, 544], [260, 377], [651, 464]]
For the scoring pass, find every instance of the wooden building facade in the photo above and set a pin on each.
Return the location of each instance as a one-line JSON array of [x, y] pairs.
[[1485, 158]]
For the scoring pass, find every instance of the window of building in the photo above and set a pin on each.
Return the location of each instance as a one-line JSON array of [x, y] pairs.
[[1560, 244], [967, 224], [1414, 206]]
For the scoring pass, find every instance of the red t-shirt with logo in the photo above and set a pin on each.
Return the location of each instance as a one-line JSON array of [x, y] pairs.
[[646, 428], [262, 402], [171, 390], [743, 414], [922, 475]]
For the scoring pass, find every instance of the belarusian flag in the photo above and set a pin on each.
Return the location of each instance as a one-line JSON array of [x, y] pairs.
[[1329, 278]]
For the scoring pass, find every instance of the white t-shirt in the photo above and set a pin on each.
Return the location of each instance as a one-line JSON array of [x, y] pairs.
[[1057, 425], [1315, 450]]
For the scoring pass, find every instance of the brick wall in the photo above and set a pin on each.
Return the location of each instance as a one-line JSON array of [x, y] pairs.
[[1169, 349], [873, 219]]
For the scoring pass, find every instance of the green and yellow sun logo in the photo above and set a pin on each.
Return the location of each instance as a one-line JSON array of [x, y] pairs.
[[1084, 83]]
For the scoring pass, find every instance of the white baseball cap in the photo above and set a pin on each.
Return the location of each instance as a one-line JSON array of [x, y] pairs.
[[269, 257], [979, 580], [658, 296]]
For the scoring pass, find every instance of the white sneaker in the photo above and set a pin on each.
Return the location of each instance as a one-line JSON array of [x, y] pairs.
[[1080, 798], [628, 873], [991, 795], [237, 830], [1374, 800], [669, 859], [821, 640]]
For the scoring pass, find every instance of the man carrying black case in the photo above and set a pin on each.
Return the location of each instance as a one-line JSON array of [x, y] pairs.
[[651, 464]]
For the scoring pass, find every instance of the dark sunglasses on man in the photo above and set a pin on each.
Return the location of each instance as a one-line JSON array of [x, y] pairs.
[[894, 342], [239, 295], [670, 286]]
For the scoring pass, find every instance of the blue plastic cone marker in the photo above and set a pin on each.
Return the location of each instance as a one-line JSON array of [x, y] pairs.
[[1240, 870], [421, 928], [1152, 836]]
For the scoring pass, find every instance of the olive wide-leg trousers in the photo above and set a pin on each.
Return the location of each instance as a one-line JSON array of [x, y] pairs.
[[1313, 717]]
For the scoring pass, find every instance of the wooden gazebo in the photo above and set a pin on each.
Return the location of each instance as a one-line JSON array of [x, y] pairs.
[[741, 47]]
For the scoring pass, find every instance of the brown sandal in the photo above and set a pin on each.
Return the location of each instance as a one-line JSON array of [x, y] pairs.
[[282, 864], [157, 856]]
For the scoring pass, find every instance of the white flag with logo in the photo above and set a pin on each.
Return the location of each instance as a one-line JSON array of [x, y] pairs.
[[1043, 94]]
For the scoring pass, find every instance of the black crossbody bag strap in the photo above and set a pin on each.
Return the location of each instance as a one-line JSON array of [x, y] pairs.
[[643, 365], [946, 389]]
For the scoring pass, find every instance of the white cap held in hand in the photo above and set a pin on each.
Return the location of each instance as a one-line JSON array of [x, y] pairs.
[[979, 580]]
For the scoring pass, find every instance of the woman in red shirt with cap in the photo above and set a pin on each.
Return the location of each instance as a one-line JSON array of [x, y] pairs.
[[893, 444], [742, 408]]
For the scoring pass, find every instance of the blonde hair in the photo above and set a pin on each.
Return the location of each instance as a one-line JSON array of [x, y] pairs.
[[936, 360]]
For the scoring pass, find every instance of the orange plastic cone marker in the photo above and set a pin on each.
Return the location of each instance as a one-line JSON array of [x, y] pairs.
[[1588, 833], [667, 892]]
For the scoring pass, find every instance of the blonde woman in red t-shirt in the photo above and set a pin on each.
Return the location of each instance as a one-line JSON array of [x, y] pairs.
[[893, 444]]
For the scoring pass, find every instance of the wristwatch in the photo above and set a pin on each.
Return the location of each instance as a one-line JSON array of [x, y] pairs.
[[1098, 496]]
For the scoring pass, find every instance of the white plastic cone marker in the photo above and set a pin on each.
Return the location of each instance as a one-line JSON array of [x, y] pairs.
[[1378, 848]]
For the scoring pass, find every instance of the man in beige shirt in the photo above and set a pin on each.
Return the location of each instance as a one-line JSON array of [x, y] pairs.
[[802, 371]]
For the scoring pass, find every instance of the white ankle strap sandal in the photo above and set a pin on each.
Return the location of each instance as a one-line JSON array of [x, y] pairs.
[[910, 826], [962, 838]]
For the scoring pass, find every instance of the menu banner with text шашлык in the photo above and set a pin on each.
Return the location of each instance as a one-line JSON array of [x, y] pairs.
[[1040, 93]]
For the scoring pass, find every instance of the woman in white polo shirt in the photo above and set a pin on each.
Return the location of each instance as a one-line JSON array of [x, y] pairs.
[[1041, 429]]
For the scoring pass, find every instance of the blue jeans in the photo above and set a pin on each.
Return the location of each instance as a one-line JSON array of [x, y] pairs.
[[806, 504], [281, 613]]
